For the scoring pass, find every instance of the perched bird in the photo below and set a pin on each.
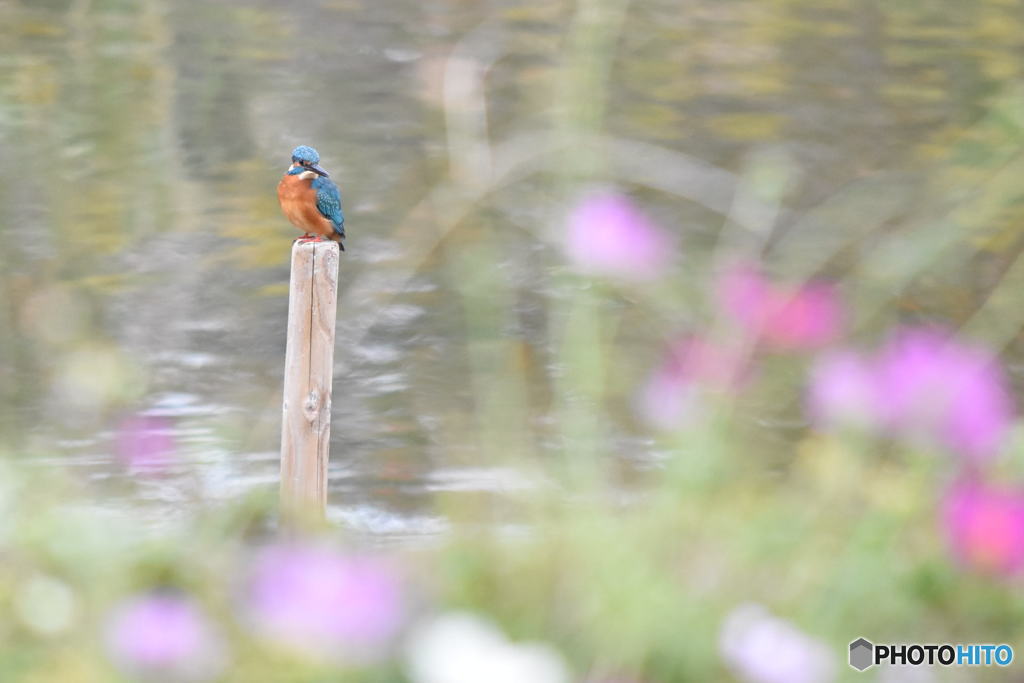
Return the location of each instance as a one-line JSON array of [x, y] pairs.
[[310, 200]]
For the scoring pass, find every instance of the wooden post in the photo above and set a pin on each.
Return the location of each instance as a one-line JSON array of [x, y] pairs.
[[308, 373]]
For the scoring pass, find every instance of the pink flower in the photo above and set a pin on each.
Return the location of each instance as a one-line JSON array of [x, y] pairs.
[[691, 367], [920, 384], [788, 319], [315, 599], [163, 635], [931, 384], [145, 444], [985, 527], [844, 391], [607, 235]]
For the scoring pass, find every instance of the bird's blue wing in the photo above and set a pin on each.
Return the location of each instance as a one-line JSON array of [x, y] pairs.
[[328, 202]]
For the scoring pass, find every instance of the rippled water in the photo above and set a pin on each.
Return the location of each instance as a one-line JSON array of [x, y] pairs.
[[140, 238]]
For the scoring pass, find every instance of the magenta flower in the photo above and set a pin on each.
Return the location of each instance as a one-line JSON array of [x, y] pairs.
[[317, 600], [163, 636], [145, 444], [920, 384], [607, 235], [984, 527], [691, 368], [931, 384], [786, 319]]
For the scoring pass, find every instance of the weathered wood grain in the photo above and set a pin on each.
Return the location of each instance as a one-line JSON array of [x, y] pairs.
[[308, 375]]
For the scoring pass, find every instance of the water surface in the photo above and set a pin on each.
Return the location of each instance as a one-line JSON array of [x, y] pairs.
[[143, 259]]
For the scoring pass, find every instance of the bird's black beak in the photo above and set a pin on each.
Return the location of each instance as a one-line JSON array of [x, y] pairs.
[[315, 167]]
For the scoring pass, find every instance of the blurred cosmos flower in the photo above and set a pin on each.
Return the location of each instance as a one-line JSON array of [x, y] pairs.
[[45, 605], [761, 648], [934, 385], [145, 444], [984, 527], [608, 235], [162, 636], [921, 383], [844, 391], [316, 600], [788, 319], [673, 393], [463, 648]]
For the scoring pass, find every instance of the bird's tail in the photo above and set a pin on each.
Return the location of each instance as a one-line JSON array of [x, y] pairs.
[[338, 236]]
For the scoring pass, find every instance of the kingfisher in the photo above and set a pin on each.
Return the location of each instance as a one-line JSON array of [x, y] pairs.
[[310, 199]]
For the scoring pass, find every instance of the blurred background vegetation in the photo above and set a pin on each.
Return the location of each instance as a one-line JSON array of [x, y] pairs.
[[487, 436]]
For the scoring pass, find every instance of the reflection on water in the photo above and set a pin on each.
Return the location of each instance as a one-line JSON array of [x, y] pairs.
[[143, 262]]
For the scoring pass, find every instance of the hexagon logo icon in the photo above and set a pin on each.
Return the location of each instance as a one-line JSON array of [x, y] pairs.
[[861, 651]]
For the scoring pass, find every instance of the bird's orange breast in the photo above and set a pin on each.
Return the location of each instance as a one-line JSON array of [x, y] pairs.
[[298, 202]]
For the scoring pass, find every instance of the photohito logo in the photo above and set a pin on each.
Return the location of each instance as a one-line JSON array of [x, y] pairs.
[[865, 654]]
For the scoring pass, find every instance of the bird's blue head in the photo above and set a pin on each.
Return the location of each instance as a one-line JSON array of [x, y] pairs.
[[305, 157]]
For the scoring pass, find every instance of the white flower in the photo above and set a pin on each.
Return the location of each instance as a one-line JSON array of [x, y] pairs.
[[46, 605], [462, 648], [761, 648]]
